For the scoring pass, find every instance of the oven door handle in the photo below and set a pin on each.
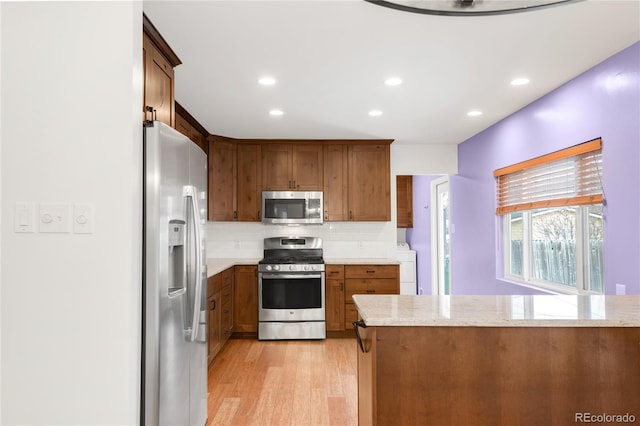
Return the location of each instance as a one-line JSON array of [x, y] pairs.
[[286, 276]]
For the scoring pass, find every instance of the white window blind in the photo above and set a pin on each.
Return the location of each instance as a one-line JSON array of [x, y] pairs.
[[563, 178]]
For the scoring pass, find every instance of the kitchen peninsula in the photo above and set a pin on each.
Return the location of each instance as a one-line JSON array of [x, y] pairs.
[[497, 360]]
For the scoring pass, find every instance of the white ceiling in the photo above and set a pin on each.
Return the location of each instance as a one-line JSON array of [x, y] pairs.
[[331, 59]]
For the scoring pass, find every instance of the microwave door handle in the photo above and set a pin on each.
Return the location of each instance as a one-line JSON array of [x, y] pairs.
[[190, 193]]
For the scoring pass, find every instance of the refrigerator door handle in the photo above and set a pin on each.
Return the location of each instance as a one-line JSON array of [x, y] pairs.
[[191, 193]]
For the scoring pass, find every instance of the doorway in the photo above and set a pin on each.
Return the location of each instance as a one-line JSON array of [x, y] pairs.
[[440, 237]]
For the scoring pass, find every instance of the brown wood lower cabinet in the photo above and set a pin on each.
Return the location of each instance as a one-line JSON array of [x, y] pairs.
[[246, 299], [368, 279], [343, 281], [220, 308], [232, 303], [496, 375], [334, 297], [214, 317]]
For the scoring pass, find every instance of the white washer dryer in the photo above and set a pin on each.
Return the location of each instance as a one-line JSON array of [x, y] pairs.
[[408, 277]]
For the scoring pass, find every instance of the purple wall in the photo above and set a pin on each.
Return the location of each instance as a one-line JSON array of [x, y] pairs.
[[602, 102], [419, 237]]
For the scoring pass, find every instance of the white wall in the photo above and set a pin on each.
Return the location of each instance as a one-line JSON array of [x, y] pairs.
[[341, 239], [71, 100], [427, 159]]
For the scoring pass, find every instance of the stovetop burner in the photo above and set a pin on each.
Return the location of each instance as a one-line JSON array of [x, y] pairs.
[[292, 260], [297, 253]]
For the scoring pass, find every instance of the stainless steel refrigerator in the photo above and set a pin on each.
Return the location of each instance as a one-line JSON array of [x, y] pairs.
[[174, 352]]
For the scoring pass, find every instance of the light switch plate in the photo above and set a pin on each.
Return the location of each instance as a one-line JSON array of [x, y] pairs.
[[25, 217], [83, 219], [54, 218]]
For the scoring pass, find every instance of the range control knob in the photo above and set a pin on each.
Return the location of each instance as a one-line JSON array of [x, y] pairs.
[[292, 267], [276, 267], [268, 267], [306, 267]]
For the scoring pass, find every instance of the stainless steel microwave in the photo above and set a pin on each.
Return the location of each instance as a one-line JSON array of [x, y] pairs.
[[292, 207]]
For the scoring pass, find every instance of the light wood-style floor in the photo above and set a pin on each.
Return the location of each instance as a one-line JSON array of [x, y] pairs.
[[303, 382]]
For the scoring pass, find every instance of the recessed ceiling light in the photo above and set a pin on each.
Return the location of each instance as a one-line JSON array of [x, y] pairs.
[[375, 113], [474, 113], [276, 112], [267, 81], [520, 81], [393, 81]]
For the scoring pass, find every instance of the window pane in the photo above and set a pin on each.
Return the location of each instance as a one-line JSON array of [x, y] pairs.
[[515, 223], [553, 248], [595, 248]]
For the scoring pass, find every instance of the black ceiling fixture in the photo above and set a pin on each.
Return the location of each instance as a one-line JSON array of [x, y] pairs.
[[468, 7]]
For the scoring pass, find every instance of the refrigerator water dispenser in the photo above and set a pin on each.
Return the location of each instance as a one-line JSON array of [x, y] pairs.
[[177, 262]]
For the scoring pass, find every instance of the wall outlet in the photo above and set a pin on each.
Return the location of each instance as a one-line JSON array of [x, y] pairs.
[[83, 219], [621, 289], [54, 218]]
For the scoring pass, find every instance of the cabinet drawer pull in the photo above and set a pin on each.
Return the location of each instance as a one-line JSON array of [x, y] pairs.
[[371, 291], [213, 304], [370, 272]]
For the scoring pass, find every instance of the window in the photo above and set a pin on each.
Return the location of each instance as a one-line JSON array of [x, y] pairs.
[[556, 248], [553, 220]]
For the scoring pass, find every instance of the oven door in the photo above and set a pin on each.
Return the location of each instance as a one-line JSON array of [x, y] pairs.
[[291, 297]]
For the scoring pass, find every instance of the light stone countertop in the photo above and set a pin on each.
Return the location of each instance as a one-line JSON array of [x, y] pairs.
[[215, 266], [361, 261], [499, 311]]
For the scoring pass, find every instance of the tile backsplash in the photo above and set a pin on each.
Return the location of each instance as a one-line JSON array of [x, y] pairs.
[[340, 239]]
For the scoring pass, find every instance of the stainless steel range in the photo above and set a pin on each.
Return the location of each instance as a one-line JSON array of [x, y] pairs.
[[291, 289]]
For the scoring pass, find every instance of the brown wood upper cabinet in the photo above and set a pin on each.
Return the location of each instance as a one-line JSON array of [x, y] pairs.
[[249, 182], [369, 187], [336, 180], [222, 179], [356, 182], [354, 176], [189, 126], [158, 61], [235, 180], [404, 201], [287, 166]]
